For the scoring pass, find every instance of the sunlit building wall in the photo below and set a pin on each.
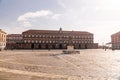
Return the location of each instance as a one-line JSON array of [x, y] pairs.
[[115, 39], [2, 39]]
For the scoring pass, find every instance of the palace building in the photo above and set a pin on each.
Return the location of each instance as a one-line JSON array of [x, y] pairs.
[[2, 39], [115, 40], [12, 40], [56, 39]]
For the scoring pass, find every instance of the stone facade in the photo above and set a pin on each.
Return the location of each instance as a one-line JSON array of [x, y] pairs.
[[56, 39], [2, 39], [115, 40], [13, 40]]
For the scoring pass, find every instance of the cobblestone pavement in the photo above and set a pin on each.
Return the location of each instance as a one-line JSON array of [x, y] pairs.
[[91, 64]]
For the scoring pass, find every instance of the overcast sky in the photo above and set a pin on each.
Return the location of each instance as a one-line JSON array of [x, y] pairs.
[[100, 17]]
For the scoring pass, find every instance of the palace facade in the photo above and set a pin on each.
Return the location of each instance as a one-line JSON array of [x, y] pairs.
[[12, 40], [56, 39], [2, 39], [115, 40]]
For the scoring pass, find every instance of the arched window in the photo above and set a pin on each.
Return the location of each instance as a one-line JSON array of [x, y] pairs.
[[32, 41], [25, 41], [36, 41], [32, 35], [29, 36], [39, 41], [40, 36], [36, 35], [43, 41], [25, 35], [28, 41]]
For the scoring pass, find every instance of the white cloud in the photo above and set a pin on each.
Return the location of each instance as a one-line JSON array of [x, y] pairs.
[[27, 23], [56, 16], [61, 3], [28, 18], [93, 9], [36, 14]]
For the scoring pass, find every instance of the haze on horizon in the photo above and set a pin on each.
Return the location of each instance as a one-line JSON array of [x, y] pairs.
[[100, 17]]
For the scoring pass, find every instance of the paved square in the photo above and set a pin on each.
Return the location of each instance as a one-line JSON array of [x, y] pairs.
[[91, 64]]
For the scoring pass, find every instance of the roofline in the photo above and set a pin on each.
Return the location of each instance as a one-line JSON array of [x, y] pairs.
[[55, 30], [3, 31], [14, 34], [115, 34]]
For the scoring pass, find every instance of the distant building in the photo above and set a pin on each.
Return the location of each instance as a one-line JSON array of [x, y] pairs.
[[115, 40], [2, 39], [13, 40], [56, 39]]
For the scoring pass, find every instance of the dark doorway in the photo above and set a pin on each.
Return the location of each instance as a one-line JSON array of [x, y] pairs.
[[85, 46], [53, 46], [60, 46], [80, 46], [39, 46], [47, 46], [32, 46]]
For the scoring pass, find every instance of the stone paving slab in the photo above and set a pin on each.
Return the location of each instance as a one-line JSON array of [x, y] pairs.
[[8, 74], [38, 74], [53, 65]]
